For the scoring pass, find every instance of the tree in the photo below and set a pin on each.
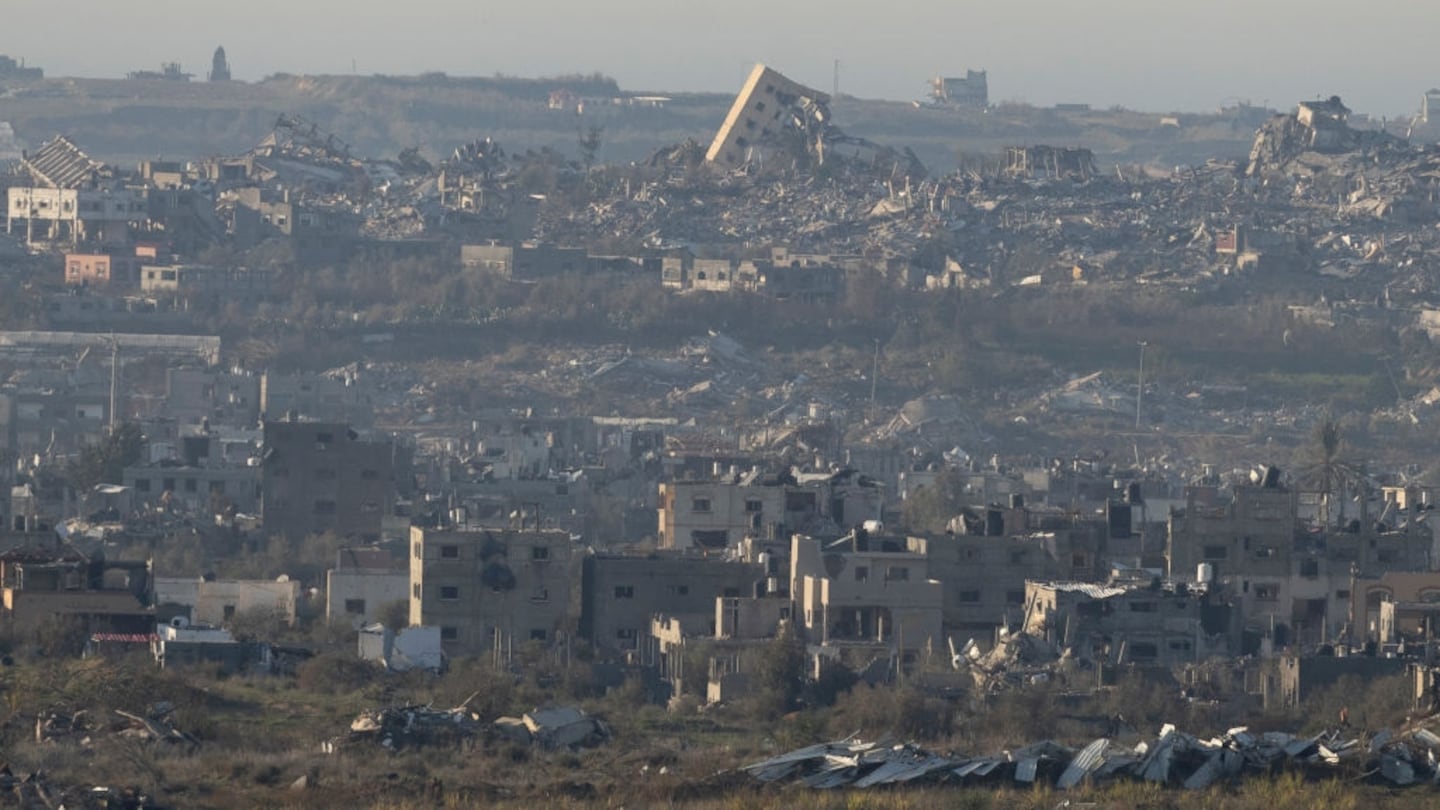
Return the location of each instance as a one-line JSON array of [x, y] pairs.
[[1329, 470], [930, 508], [106, 461], [395, 615], [780, 672], [590, 142]]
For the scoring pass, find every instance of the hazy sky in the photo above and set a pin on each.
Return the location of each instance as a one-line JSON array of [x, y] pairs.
[[1156, 55]]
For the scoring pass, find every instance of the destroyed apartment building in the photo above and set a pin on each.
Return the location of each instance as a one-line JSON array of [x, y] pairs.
[[768, 109]]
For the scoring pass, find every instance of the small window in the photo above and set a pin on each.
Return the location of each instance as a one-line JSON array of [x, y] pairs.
[[415, 590], [538, 635], [1216, 552], [168, 485], [897, 573], [1142, 650], [1014, 597], [754, 505], [699, 504], [730, 593], [217, 487], [540, 553], [355, 606], [369, 475], [450, 552], [624, 591], [228, 611], [1267, 593], [541, 595], [323, 438], [1142, 607], [679, 590], [862, 573], [142, 484], [449, 593], [449, 633], [191, 485], [969, 597], [1342, 594], [627, 634], [418, 551]]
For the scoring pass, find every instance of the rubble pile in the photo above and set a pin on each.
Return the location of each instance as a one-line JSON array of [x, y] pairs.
[[418, 726], [157, 724], [34, 791], [1174, 758], [57, 725], [564, 727], [854, 207], [408, 727]]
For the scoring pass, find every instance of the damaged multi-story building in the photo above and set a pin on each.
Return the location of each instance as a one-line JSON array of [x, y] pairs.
[[969, 91], [1161, 624], [769, 109], [1291, 578], [70, 197], [717, 513], [320, 477], [620, 594], [490, 591]]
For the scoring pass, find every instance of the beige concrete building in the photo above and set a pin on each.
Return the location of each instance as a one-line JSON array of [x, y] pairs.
[[765, 107], [620, 595], [1164, 626], [1290, 577], [217, 602], [38, 585], [866, 591], [363, 583], [490, 590], [718, 513]]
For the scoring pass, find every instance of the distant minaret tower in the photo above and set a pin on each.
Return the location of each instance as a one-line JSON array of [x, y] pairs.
[[220, 68]]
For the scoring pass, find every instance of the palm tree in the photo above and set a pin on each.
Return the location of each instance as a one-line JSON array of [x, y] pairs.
[[1329, 470]]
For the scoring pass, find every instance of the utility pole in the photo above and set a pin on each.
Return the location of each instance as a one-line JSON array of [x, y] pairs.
[[114, 378], [1140, 390], [875, 371]]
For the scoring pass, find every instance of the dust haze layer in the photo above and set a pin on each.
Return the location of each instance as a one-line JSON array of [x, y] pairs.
[[1135, 53]]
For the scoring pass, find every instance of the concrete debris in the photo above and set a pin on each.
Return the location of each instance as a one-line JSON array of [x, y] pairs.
[[60, 726], [409, 727], [1399, 757], [35, 791], [418, 726], [562, 727], [156, 725], [56, 725]]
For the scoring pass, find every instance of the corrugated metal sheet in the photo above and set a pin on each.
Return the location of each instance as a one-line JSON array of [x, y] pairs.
[[1026, 769], [1089, 589], [1084, 762]]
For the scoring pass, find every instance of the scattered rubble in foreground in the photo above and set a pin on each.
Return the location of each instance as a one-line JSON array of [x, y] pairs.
[[157, 724], [1398, 757], [419, 726], [34, 790]]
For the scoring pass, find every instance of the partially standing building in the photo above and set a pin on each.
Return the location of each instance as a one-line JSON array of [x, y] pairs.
[[490, 591]]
